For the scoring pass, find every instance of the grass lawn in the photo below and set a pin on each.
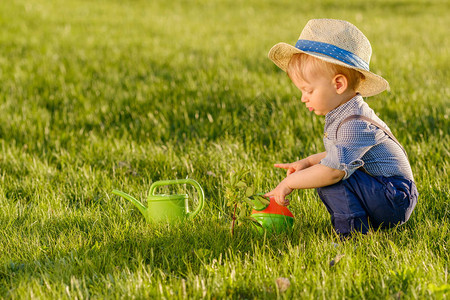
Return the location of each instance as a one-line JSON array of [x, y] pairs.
[[102, 95]]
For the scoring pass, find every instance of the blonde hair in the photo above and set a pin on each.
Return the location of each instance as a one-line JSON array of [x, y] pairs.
[[302, 64]]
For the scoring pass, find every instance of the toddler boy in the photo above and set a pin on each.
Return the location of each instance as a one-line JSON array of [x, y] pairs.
[[363, 177]]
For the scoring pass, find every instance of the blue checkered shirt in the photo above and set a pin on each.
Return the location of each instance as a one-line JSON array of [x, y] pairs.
[[360, 144]]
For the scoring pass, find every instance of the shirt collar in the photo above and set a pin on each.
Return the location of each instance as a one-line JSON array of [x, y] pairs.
[[342, 110]]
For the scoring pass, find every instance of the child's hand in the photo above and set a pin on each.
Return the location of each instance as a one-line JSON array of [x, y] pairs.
[[279, 193], [293, 167]]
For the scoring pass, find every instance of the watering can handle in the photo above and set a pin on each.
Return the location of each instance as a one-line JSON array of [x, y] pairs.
[[192, 182]]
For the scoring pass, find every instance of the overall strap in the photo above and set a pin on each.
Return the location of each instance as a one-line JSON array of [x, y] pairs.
[[359, 117]]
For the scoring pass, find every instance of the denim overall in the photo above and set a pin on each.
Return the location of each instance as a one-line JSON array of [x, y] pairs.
[[363, 201]]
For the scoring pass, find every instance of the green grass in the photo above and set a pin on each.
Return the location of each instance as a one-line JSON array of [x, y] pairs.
[[97, 95]]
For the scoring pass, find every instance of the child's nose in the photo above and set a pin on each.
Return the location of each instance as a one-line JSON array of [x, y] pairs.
[[304, 99]]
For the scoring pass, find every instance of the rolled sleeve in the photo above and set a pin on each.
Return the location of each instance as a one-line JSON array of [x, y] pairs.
[[347, 168], [353, 140]]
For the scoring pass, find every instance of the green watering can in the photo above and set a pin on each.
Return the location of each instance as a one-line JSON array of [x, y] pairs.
[[167, 207]]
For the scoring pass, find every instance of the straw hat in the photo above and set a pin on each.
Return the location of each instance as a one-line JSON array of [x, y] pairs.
[[338, 42]]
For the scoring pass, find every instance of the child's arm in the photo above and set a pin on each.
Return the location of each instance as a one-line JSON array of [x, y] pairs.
[[302, 164], [313, 177]]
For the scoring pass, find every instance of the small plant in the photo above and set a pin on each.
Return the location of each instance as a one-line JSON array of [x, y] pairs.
[[238, 194]]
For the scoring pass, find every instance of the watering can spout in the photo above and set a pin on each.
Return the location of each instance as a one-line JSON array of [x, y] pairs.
[[138, 204]]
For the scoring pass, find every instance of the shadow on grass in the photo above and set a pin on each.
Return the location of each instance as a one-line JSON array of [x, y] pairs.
[[106, 248], [121, 249]]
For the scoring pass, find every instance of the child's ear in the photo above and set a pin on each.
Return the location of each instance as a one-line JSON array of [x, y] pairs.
[[340, 83]]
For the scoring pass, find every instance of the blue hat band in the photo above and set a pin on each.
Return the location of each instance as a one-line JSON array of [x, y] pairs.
[[332, 51]]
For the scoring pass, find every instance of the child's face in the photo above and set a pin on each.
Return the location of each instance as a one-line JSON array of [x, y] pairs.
[[319, 92]]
